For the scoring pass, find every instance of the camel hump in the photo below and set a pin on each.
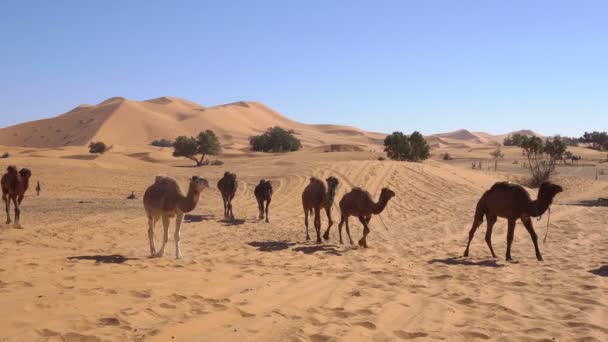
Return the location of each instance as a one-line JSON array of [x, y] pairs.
[[315, 180], [11, 169], [160, 178], [504, 185]]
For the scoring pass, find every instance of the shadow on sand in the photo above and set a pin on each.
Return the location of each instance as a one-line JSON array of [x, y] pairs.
[[465, 262], [103, 259], [318, 248], [232, 222], [270, 246], [600, 202], [601, 271], [196, 218]]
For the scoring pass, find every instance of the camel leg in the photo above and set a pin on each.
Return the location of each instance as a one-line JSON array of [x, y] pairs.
[[267, 206], [225, 208], [151, 222], [261, 209], [318, 224], [348, 231], [477, 221], [339, 231], [363, 241], [306, 223], [510, 232], [491, 222], [530, 228], [7, 203], [230, 209], [161, 252], [177, 236], [17, 212], [330, 223]]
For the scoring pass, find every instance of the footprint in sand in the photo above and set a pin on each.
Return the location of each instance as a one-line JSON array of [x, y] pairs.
[[473, 334], [76, 337], [47, 333], [167, 306], [367, 325], [129, 311], [409, 336], [319, 338], [141, 294], [177, 298], [109, 321]]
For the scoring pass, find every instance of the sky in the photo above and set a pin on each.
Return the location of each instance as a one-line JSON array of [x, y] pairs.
[[431, 66]]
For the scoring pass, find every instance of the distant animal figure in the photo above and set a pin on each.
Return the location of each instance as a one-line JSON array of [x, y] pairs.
[[359, 203], [14, 186], [38, 188], [263, 193], [132, 196], [164, 199], [228, 186], [317, 196], [512, 202]]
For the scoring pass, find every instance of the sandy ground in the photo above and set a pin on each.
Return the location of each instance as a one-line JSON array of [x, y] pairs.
[[79, 270]]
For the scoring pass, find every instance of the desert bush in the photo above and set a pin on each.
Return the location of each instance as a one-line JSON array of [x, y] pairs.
[[496, 155], [514, 140], [597, 140], [97, 147], [5, 155], [381, 158], [217, 162], [206, 143], [399, 146], [162, 143], [275, 139], [542, 157]]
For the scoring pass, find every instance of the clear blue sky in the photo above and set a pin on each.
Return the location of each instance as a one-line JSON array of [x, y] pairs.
[[431, 66]]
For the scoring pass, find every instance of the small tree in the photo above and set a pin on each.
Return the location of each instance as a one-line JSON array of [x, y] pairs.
[[275, 139], [162, 143], [97, 147], [497, 155], [541, 156], [514, 140], [189, 147], [399, 146]]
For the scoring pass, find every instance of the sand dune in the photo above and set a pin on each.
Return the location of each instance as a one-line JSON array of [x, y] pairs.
[[79, 270]]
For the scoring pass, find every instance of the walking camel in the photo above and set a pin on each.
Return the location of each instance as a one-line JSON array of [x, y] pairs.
[[228, 186], [263, 193], [14, 185], [512, 201], [359, 203], [317, 196], [164, 199]]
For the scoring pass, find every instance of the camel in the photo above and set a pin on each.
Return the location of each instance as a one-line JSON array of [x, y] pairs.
[[316, 196], [512, 201], [14, 186], [164, 199], [263, 193], [359, 203], [228, 186]]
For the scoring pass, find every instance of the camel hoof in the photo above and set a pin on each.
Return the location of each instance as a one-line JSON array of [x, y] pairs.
[[17, 226], [158, 255], [178, 257], [307, 238], [326, 236], [540, 258]]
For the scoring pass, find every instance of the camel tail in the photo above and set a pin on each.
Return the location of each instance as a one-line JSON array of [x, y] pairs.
[[480, 212]]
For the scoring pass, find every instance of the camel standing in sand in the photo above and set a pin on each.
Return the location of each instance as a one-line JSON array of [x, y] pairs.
[[263, 193], [512, 202], [14, 186], [316, 196], [165, 199], [228, 186], [359, 203]]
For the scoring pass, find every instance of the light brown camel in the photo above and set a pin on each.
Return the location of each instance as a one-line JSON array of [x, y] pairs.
[[359, 203], [512, 202], [317, 196], [228, 186], [263, 193], [14, 186], [164, 199]]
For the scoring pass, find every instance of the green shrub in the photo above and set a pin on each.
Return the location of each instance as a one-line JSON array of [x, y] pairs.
[[275, 139], [97, 147], [399, 146]]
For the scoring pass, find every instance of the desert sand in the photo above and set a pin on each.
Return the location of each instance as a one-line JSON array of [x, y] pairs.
[[80, 271]]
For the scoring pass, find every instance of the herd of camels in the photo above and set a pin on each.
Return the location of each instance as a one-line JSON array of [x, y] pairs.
[[164, 200]]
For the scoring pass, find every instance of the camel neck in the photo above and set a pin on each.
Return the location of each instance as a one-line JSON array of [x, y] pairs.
[[539, 206], [379, 207], [190, 201], [329, 199]]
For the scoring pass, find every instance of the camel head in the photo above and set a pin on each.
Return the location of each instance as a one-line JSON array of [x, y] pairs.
[[548, 190], [387, 193], [332, 183], [198, 183], [25, 173]]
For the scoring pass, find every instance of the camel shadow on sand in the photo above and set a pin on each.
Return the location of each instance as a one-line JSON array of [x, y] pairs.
[[103, 259], [274, 246], [196, 218], [601, 271], [232, 222], [311, 249], [466, 262], [271, 246]]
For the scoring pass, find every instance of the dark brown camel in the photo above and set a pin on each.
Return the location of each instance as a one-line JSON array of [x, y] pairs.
[[14, 186], [316, 196], [512, 202], [263, 193], [228, 186], [359, 203]]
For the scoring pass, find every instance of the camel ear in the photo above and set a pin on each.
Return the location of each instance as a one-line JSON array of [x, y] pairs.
[[194, 178]]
